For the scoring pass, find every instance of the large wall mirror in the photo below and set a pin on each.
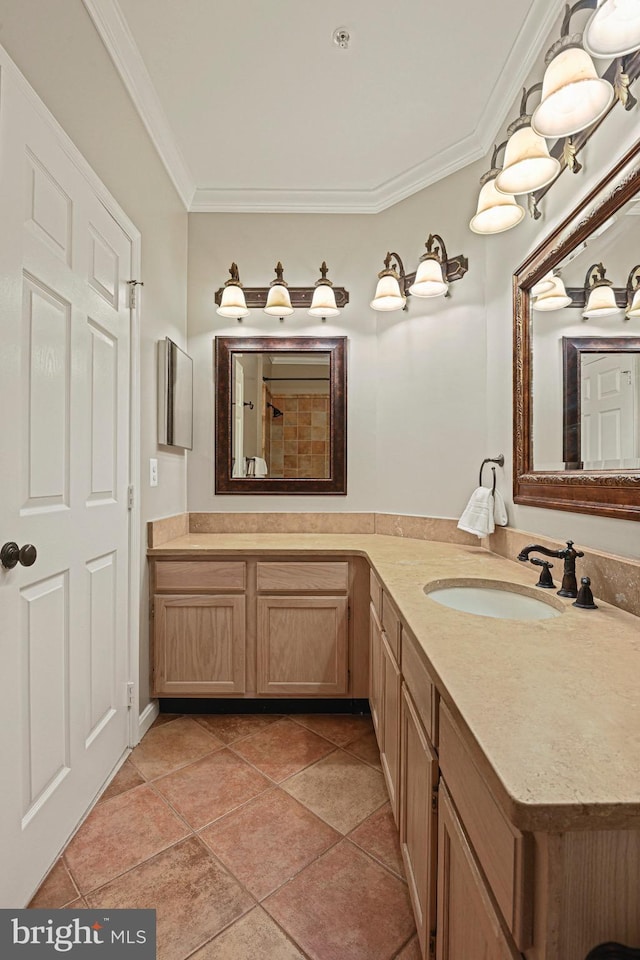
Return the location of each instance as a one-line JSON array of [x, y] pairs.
[[577, 377], [281, 415]]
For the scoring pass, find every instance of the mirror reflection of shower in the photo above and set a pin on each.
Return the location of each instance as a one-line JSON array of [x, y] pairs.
[[276, 412]]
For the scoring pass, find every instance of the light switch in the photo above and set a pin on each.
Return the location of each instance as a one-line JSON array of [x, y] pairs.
[[153, 472]]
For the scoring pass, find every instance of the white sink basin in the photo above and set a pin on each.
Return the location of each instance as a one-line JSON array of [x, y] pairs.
[[494, 600]]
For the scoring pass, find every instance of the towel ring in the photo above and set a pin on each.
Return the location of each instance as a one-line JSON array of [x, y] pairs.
[[499, 460]]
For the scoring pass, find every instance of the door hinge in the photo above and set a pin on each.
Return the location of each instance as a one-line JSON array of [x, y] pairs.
[[133, 299], [434, 800], [432, 944], [130, 693], [130, 497]]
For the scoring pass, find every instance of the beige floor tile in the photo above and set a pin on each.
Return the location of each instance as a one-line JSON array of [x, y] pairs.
[[344, 906], [367, 749], [378, 836], [341, 789], [411, 951], [282, 749], [268, 841], [172, 745], [119, 834], [211, 787], [195, 898], [253, 937], [56, 889], [339, 728]]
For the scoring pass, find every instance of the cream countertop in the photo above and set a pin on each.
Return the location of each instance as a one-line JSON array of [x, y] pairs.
[[553, 705]]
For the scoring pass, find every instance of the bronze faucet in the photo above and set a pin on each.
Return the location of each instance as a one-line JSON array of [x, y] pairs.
[[569, 586]]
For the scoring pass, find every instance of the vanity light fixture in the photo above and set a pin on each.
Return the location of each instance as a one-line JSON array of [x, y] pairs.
[[496, 212], [614, 29], [573, 95], [278, 300], [599, 293], [528, 165], [436, 270], [633, 294], [232, 302], [324, 299], [553, 299]]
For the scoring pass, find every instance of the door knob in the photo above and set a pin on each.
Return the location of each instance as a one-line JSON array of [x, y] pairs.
[[11, 554]]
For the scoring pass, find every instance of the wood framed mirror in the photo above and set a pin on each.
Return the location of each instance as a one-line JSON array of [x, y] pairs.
[[281, 415], [604, 227]]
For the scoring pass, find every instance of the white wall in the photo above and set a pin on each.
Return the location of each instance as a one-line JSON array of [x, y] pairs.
[[58, 50]]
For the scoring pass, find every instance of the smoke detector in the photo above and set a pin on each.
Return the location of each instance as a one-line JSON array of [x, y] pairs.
[[341, 37]]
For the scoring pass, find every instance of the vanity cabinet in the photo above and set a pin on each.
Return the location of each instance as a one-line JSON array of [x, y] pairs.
[[385, 688], [259, 627], [469, 927]]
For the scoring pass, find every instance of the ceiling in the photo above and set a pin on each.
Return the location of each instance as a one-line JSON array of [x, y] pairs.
[[253, 107]]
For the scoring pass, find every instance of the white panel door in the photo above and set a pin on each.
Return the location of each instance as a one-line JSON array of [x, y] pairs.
[[607, 407], [64, 448]]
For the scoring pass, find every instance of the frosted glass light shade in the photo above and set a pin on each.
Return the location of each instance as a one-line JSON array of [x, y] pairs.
[[278, 301], [543, 286], [634, 310], [232, 302], [554, 299], [323, 303], [601, 302], [429, 281], [527, 163], [496, 211], [573, 95], [614, 29], [388, 296]]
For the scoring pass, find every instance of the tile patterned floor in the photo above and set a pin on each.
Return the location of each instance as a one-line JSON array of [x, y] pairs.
[[253, 837]]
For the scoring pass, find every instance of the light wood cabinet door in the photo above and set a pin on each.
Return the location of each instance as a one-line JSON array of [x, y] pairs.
[[390, 719], [468, 924], [302, 646], [199, 645], [418, 818], [375, 673]]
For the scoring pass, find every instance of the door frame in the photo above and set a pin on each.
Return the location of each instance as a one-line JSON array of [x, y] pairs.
[[135, 237]]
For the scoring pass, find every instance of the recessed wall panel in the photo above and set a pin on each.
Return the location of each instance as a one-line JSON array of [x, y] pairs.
[[610, 435], [104, 400], [102, 640], [48, 209], [47, 328], [45, 685], [103, 268]]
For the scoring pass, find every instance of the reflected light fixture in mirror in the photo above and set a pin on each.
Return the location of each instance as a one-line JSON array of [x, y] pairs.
[[573, 95], [323, 304], [633, 294], [543, 286], [614, 29], [599, 294], [528, 165], [278, 300], [554, 298], [233, 304]]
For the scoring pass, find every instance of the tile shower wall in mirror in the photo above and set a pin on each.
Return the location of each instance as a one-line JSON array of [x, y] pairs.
[[281, 422], [605, 402]]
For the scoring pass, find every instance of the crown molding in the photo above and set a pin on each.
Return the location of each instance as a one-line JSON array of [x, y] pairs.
[[114, 31], [112, 27]]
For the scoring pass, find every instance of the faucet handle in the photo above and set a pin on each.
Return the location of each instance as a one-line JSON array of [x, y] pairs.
[[571, 551], [545, 580]]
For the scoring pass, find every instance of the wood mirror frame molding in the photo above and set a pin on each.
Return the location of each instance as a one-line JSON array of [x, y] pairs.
[[336, 347], [601, 492]]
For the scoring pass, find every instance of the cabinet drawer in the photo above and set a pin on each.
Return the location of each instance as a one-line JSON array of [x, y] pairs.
[[419, 684], [183, 576], [504, 853], [391, 625], [375, 592], [297, 576]]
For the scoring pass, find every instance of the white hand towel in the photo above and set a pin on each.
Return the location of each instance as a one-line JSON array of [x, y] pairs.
[[478, 514], [239, 467], [261, 467], [499, 510]]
